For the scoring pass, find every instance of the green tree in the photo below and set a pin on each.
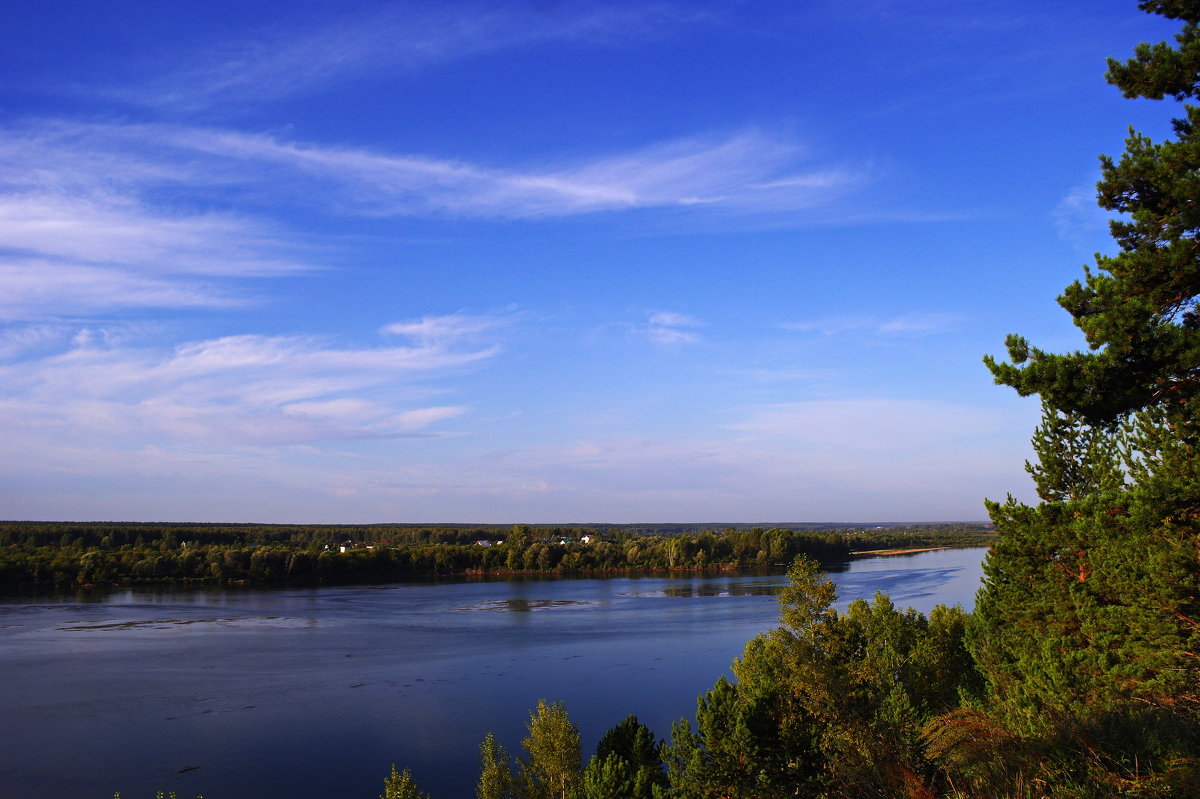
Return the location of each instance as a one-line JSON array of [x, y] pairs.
[[401, 786], [1088, 627], [608, 778], [715, 759], [495, 775], [627, 764], [828, 704], [1137, 310], [553, 767]]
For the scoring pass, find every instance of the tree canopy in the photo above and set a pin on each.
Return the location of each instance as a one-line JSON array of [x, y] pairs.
[[1137, 309], [1088, 627]]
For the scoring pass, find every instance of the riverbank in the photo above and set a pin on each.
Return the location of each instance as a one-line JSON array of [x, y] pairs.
[[315, 692], [913, 551]]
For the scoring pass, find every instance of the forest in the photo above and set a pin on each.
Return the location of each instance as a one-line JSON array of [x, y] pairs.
[[70, 555], [1077, 673]]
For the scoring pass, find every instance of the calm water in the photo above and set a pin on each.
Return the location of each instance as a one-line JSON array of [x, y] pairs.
[[315, 692]]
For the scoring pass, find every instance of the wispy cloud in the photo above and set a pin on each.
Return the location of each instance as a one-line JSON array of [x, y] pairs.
[[846, 459], [242, 390], [1080, 221], [92, 219], [121, 232], [44, 289], [743, 172], [19, 340], [437, 330], [285, 61], [910, 325], [111, 216], [865, 425], [670, 328], [100, 191], [775, 375]]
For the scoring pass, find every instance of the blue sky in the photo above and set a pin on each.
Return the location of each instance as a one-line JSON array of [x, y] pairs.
[[539, 262]]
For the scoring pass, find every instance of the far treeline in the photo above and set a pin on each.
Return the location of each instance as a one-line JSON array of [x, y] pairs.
[[76, 554], [1077, 673]]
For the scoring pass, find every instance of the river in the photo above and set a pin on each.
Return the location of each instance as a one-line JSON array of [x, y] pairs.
[[315, 692]]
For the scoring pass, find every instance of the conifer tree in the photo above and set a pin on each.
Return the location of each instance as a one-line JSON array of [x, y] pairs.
[[1088, 627], [732, 753], [627, 764], [1138, 308]]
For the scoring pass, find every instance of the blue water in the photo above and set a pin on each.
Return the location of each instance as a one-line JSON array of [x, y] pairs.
[[315, 692]]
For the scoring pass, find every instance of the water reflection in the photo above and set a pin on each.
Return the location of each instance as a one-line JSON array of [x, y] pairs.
[[715, 590], [315, 692], [527, 605]]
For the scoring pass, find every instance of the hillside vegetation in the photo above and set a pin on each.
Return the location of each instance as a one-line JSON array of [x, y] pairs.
[[1078, 672]]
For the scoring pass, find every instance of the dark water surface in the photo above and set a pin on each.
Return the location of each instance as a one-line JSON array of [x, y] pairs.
[[314, 692]]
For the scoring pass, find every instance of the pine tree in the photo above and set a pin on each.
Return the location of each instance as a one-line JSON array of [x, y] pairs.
[[627, 764], [731, 752], [1088, 627], [1138, 309]]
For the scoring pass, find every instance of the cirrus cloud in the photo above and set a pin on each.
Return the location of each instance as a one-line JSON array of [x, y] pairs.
[[241, 390]]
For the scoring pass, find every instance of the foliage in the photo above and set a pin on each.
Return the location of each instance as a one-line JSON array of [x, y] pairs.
[[75, 554], [746, 743], [829, 704], [1088, 628], [495, 776], [627, 764], [401, 786], [1137, 310], [553, 766]]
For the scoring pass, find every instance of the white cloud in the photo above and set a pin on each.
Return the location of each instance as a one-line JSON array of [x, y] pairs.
[[239, 390], [94, 219], [41, 289], [400, 37], [670, 328], [96, 216], [441, 329], [1080, 221], [350, 414], [115, 230], [910, 325], [743, 172]]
